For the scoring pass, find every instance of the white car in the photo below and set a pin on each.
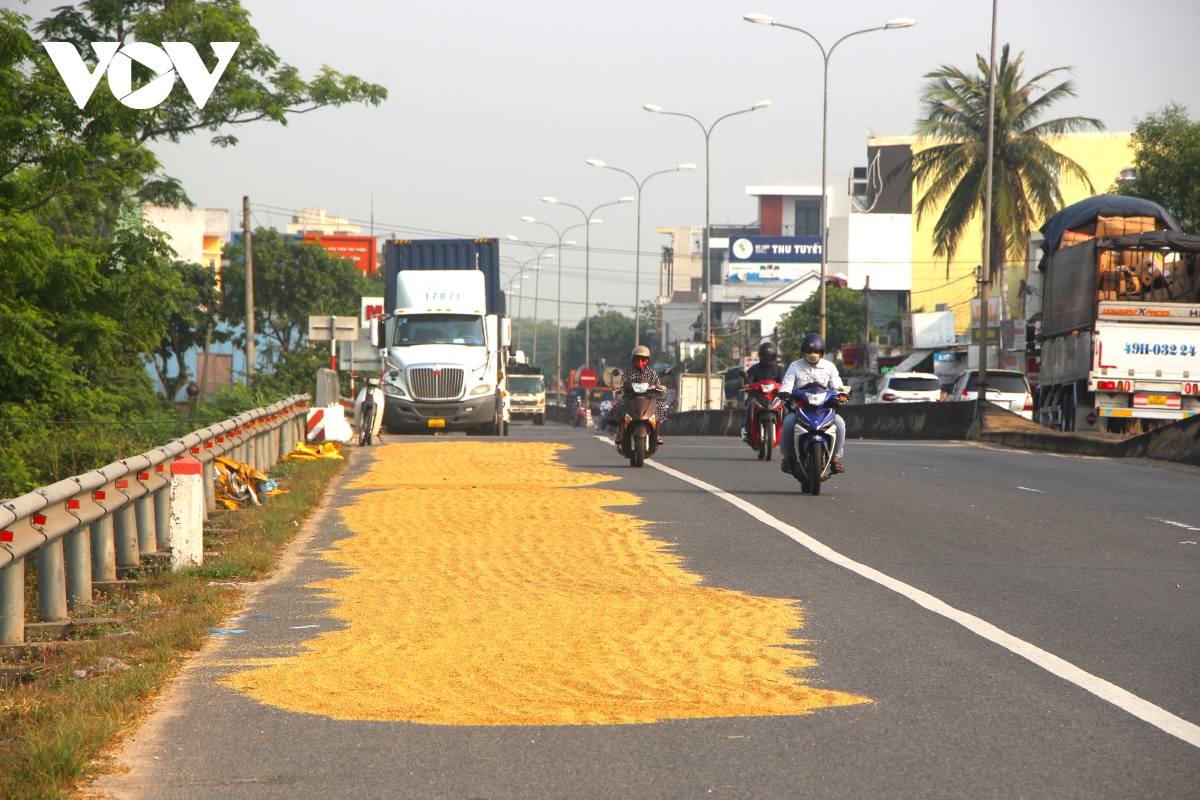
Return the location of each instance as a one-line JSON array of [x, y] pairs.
[[1006, 388], [908, 387]]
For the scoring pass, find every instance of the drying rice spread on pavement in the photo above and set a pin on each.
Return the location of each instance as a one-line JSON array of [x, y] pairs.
[[484, 587]]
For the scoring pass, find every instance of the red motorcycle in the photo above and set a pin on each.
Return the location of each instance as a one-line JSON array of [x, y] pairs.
[[766, 417]]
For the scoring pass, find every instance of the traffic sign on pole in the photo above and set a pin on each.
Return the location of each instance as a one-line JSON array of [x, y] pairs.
[[588, 378]]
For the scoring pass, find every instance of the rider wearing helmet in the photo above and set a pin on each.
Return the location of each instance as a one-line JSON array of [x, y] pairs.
[[812, 367], [639, 372], [768, 368]]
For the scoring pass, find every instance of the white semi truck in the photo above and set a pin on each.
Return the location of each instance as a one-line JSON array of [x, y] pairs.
[[444, 338], [1120, 321]]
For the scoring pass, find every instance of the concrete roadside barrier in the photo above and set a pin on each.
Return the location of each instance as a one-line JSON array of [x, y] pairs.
[[187, 513]]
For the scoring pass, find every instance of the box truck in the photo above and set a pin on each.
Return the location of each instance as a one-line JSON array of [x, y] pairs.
[[444, 337], [1120, 321]]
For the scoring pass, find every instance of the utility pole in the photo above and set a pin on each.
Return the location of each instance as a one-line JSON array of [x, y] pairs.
[[986, 267], [247, 241], [866, 314]]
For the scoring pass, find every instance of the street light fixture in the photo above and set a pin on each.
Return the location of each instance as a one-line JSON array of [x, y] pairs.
[[587, 267], [893, 24], [707, 226], [558, 303], [637, 280], [537, 285]]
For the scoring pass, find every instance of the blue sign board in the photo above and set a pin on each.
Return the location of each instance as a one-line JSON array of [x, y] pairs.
[[775, 249]]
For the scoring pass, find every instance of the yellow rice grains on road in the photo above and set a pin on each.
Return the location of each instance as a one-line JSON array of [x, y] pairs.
[[482, 590]]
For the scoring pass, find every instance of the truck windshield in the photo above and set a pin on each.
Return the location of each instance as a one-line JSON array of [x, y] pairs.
[[438, 329], [525, 384]]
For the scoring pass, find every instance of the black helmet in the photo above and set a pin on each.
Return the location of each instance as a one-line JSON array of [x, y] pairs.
[[767, 353], [813, 343]]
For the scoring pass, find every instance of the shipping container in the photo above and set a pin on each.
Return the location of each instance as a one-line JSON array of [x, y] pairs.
[[444, 254]]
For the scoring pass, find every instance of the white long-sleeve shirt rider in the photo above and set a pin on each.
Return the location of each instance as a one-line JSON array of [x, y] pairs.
[[802, 373]]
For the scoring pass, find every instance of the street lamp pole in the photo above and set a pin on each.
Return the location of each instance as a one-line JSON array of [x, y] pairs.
[[763, 19], [558, 303], [637, 269], [707, 228], [587, 267], [537, 283]]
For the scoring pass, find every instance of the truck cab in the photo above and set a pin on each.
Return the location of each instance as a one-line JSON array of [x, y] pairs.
[[527, 392], [443, 355]]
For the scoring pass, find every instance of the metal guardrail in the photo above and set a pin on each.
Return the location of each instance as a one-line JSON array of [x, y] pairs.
[[86, 529]]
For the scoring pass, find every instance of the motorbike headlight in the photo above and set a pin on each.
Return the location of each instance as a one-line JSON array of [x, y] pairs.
[[816, 398], [393, 390], [482, 388], [640, 388]]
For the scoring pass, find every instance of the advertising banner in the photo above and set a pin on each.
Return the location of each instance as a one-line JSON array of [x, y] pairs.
[[772, 259]]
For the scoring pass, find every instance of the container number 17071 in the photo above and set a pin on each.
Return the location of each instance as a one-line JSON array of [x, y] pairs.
[[1143, 349]]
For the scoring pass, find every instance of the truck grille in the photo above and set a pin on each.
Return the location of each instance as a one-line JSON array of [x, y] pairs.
[[427, 383]]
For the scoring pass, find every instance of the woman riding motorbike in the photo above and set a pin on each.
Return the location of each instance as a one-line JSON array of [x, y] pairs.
[[640, 372]]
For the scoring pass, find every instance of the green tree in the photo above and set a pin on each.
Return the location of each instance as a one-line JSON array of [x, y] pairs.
[[844, 314], [90, 293], [293, 280], [1026, 169], [1166, 162]]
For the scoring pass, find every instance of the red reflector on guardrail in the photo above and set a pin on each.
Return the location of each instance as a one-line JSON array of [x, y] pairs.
[[195, 449], [143, 476], [161, 468], [72, 505], [6, 536], [208, 445], [220, 438], [97, 495], [39, 519], [123, 484]]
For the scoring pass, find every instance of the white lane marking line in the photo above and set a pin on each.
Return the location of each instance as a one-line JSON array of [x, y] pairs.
[[1176, 524], [1026, 488], [1142, 709]]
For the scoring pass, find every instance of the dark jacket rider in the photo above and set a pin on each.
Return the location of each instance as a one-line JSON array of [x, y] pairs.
[[768, 368]]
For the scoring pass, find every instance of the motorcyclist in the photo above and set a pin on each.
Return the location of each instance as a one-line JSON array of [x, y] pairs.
[[639, 372], [812, 367], [768, 368]]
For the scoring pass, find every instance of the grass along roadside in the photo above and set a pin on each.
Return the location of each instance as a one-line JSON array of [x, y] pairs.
[[57, 730]]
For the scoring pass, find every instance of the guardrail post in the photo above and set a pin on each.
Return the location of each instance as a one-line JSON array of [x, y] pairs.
[[210, 489], [12, 602], [52, 581], [162, 518], [79, 568], [104, 554], [125, 538], [147, 536], [285, 431]]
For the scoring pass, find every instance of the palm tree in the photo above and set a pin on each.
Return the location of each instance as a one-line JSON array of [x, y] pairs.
[[1026, 169]]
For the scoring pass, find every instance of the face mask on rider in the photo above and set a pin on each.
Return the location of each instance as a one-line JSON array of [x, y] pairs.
[[812, 358]]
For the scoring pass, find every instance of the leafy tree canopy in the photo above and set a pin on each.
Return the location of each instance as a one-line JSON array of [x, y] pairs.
[[844, 316], [1166, 161]]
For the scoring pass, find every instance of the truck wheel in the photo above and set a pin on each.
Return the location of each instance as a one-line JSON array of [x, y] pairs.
[[540, 419]]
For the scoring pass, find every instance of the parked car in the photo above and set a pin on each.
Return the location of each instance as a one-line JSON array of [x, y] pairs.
[[908, 387], [1006, 388]]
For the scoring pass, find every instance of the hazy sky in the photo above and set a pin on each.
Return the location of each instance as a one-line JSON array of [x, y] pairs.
[[494, 105]]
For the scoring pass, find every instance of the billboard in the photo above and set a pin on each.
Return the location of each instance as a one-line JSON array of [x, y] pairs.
[[359, 249], [772, 259]]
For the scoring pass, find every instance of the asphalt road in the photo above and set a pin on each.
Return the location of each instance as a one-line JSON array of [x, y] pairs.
[[1069, 554]]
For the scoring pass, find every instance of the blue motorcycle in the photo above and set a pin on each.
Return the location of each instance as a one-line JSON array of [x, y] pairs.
[[815, 408]]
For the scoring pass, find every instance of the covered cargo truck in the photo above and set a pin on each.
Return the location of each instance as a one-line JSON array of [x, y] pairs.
[[444, 337], [1120, 324]]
